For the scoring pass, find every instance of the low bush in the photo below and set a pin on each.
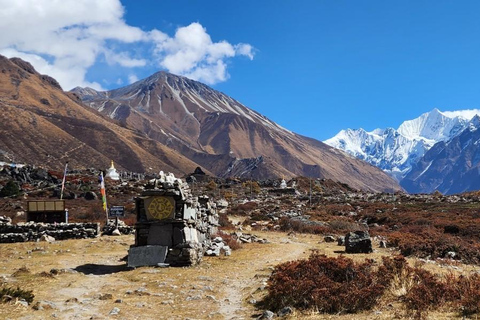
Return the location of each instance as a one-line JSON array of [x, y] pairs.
[[224, 221], [339, 285], [8, 293], [11, 189], [468, 291], [287, 225], [329, 285], [433, 243], [243, 209]]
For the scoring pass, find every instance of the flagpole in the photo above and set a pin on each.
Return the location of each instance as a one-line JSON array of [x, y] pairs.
[[104, 196], [63, 181]]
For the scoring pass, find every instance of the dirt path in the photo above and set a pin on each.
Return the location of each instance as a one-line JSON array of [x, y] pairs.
[[247, 281]]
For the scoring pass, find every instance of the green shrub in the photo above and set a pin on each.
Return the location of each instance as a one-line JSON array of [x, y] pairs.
[[7, 293], [10, 189]]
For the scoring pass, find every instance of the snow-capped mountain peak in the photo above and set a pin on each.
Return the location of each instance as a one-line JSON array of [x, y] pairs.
[[395, 151], [434, 126]]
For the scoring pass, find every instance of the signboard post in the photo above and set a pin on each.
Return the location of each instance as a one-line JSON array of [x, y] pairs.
[[116, 211]]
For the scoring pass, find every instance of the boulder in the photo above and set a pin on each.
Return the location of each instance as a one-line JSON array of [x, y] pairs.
[[358, 242], [90, 195]]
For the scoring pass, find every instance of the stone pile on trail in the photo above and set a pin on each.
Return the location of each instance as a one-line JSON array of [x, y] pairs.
[[216, 247], [122, 228], [30, 231]]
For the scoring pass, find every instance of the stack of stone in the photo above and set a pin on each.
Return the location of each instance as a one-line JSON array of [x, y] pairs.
[[122, 227], [172, 226]]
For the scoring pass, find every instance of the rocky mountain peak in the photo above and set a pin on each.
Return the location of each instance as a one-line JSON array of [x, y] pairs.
[[397, 151]]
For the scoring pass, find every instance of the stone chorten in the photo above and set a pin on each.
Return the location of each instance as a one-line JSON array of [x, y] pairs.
[[172, 227], [112, 173]]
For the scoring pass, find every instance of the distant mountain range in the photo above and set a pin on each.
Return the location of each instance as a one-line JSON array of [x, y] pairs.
[[164, 122], [419, 152]]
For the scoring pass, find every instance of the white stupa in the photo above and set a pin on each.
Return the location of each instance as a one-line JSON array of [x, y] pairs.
[[283, 184], [112, 173]]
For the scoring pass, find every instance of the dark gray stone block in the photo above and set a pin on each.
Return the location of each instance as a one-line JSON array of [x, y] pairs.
[[146, 256]]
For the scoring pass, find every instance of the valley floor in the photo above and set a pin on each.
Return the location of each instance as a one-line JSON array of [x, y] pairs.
[[87, 279]]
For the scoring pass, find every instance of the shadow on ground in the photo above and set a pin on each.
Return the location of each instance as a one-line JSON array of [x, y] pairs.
[[101, 269]]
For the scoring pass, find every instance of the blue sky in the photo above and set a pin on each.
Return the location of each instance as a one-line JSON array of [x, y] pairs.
[[315, 67]]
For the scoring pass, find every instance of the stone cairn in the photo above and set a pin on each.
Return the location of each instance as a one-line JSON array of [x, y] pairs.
[[34, 231], [122, 228], [173, 227]]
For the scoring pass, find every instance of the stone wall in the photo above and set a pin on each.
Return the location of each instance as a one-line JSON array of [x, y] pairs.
[[31, 231]]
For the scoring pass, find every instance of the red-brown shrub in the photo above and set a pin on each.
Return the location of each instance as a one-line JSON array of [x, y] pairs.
[[330, 285], [287, 224], [243, 209], [428, 292], [224, 222], [468, 292]]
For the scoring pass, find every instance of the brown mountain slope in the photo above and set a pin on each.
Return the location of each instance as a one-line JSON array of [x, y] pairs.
[[224, 136], [43, 125]]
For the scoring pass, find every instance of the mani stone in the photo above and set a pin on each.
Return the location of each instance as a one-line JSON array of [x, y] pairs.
[[146, 255], [358, 242]]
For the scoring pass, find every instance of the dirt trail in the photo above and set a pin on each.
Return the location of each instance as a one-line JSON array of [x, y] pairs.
[[245, 281]]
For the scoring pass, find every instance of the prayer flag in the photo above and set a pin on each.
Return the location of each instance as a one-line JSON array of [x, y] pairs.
[[102, 191]]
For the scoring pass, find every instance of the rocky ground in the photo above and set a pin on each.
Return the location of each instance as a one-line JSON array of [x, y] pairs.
[[88, 278]]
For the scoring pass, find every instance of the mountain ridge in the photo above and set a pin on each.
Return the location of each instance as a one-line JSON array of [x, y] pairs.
[[219, 133], [396, 150]]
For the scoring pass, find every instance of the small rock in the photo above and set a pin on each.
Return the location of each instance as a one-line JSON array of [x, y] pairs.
[[47, 238], [114, 311], [41, 305], [22, 302], [285, 311], [450, 254], [267, 314], [329, 239], [106, 296]]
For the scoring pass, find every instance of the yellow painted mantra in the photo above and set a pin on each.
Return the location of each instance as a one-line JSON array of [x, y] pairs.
[[161, 207]]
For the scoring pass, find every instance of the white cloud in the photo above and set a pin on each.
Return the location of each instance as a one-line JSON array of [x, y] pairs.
[[66, 38], [123, 59], [245, 49], [132, 78], [192, 53]]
